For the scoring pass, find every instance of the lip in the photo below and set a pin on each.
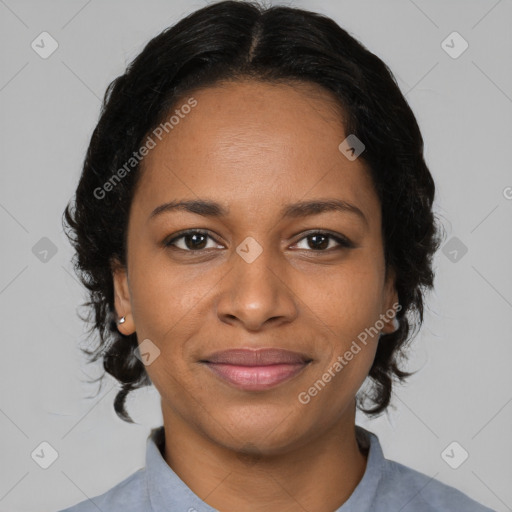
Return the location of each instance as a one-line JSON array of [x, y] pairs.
[[256, 369]]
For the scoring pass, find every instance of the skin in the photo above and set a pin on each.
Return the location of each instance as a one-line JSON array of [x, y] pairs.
[[253, 147]]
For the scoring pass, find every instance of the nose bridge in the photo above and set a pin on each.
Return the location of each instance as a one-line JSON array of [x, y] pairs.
[[255, 288]]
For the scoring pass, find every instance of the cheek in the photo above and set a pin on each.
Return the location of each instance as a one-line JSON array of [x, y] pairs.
[[168, 306], [164, 298], [346, 299], [347, 304], [166, 310], [333, 388]]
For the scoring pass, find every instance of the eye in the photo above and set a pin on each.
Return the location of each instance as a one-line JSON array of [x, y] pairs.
[[192, 240], [319, 241], [195, 240]]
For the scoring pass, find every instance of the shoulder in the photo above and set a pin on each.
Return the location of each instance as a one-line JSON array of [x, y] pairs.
[[129, 495], [417, 492]]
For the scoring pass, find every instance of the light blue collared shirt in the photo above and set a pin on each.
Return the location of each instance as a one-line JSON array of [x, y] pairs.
[[386, 486]]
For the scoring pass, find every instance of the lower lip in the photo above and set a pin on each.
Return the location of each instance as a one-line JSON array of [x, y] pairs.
[[256, 378]]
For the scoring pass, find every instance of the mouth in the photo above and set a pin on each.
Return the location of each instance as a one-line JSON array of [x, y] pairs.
[[256, 369]]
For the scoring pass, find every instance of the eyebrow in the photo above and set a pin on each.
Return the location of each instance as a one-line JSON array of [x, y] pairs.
[[208, 208]]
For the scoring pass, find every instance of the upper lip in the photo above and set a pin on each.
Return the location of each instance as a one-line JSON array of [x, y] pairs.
[[257, 357]]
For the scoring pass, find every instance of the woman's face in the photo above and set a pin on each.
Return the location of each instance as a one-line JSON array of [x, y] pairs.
[[256, 277]]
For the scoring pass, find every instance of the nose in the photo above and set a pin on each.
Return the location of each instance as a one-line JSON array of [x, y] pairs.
[[257, 293]]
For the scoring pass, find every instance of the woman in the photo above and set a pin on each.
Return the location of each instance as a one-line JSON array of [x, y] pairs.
[[254, 224]]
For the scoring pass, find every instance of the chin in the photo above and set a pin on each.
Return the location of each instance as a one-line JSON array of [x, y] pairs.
[[271, 429]]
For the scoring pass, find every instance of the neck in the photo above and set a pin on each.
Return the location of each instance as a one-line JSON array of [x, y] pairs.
[[319, 475]]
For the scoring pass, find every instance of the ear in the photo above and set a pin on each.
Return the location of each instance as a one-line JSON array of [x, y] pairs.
[[122, 298], [390, 302]]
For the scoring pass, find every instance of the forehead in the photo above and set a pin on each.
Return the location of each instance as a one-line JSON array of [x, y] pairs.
[[250, 141]]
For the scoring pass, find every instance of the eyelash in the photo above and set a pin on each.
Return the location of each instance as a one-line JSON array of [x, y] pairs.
[[341, 240]]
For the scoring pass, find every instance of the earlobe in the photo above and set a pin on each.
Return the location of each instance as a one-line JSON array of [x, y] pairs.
[[125, 324], [391, 323]]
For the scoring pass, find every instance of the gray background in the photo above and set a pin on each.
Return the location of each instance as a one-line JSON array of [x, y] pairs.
[[463, 391]]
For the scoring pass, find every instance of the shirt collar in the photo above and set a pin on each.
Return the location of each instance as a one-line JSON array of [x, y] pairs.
[[166, 490], [364, 494]]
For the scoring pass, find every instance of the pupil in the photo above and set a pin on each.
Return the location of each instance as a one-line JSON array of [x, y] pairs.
[[323, 245], [194, 243]]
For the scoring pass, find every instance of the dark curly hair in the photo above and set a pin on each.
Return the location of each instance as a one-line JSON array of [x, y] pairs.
[[232, 40]]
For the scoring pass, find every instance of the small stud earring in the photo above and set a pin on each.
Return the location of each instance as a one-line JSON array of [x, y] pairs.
[[122, 320]]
